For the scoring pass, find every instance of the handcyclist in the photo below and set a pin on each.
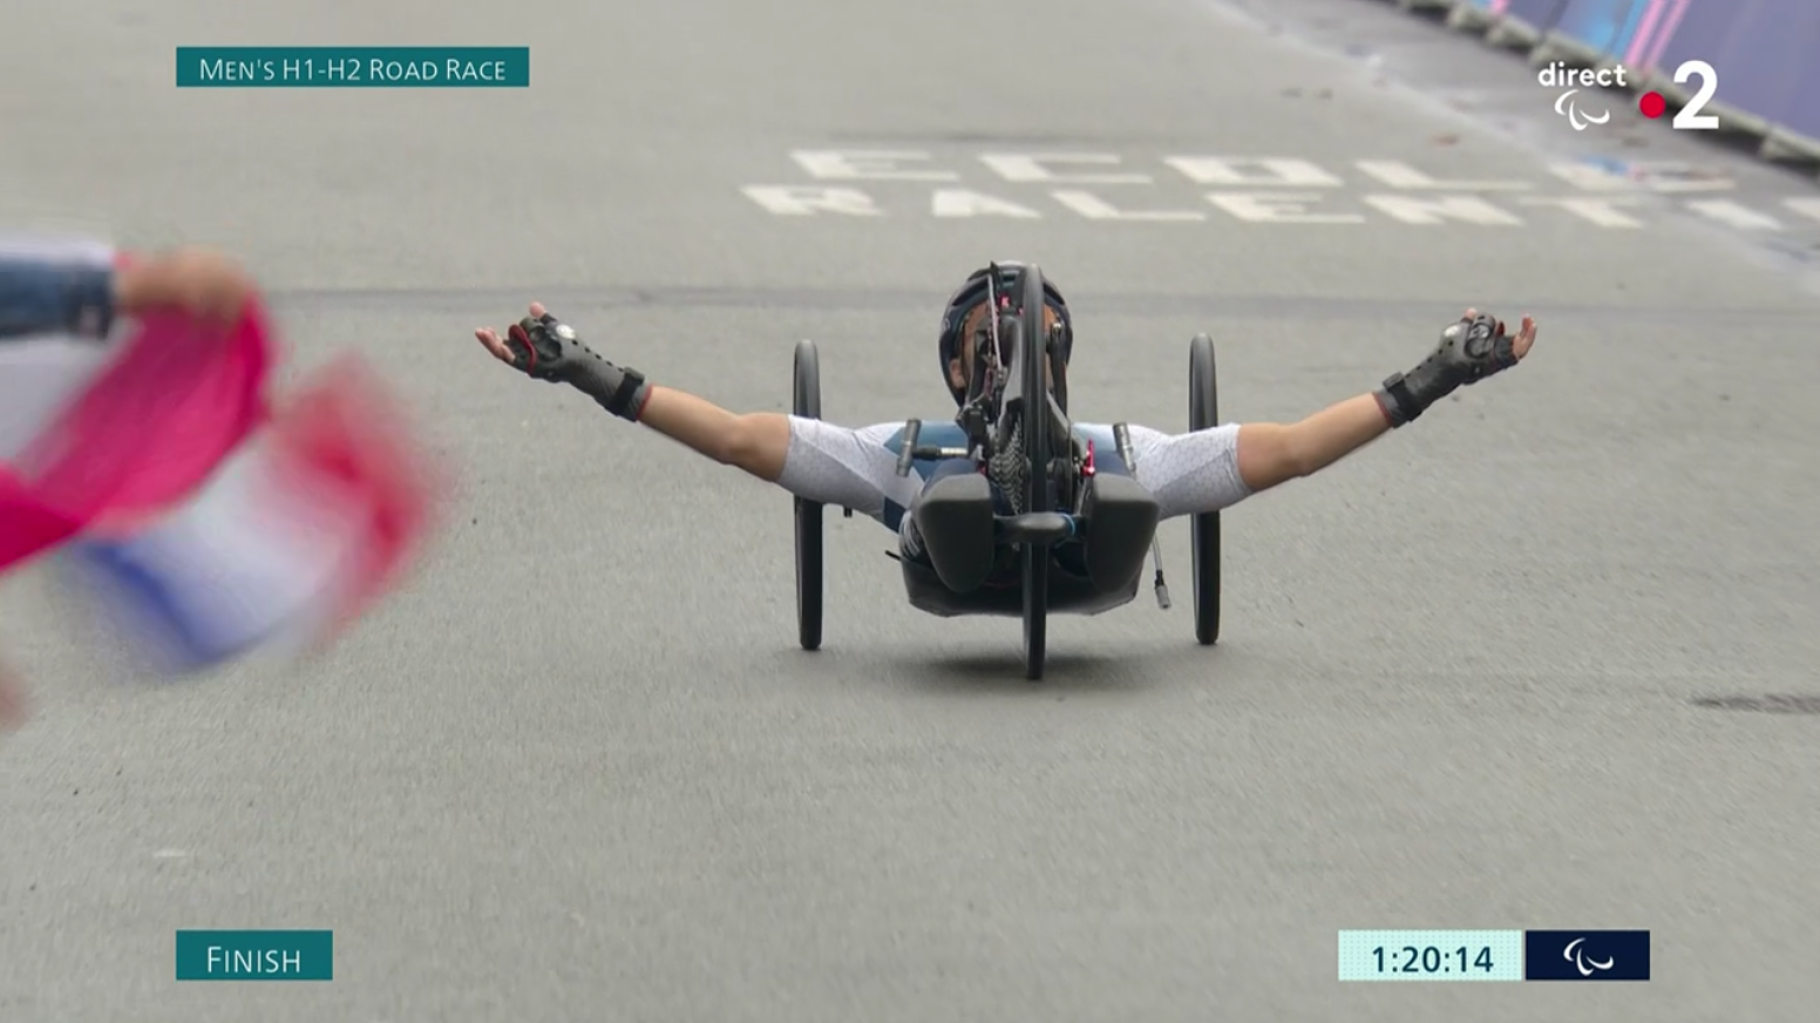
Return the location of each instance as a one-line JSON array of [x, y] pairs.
[[1187, 473]]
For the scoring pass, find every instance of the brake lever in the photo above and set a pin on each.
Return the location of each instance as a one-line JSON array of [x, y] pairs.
[[913, 431]]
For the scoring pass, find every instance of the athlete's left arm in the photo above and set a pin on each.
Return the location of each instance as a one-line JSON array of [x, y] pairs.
[[1212, 469], [1190, 473]]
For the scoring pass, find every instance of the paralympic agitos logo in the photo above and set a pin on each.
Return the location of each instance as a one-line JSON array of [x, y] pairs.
[[1558, 74]]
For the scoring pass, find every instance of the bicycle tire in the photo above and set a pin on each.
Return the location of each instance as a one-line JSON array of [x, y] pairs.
[[1032, 351], [1204, 414], [810, 576]]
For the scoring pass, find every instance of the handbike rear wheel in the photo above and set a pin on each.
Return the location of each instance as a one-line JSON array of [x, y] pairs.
[[1203, 414], [1032, 351], [807, 403]]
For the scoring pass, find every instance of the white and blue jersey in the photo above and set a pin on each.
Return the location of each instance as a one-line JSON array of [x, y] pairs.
[[1187, 473]]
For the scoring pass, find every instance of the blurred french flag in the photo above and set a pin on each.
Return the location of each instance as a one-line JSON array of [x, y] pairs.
[[203, 517]]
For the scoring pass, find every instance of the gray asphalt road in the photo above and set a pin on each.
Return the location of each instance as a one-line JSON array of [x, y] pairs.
[[578, 770]]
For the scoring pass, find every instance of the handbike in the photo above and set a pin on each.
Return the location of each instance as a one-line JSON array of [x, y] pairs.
[[1014, 431]]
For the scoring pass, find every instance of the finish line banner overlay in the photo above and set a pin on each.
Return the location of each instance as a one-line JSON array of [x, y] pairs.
[[255, 955], [353, 67]]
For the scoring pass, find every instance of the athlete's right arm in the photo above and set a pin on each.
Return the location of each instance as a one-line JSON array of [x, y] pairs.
[[809, 458]]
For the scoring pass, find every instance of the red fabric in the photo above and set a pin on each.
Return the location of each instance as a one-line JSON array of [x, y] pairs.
[[152, 427], [345, 430]]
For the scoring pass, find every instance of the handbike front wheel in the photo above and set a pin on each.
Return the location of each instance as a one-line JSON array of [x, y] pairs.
[[1204, 414], [1032, 351], [807, 403], [1036, 610]]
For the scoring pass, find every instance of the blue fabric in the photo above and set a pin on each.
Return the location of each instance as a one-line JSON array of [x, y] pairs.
[[183, 639], [46, 297]]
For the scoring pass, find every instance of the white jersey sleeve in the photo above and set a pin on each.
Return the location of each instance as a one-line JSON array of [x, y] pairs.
[[1189, 473], [848, 468]]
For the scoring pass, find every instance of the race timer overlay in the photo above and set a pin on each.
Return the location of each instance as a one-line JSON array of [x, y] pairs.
[[1440, 956], [1431, 955]]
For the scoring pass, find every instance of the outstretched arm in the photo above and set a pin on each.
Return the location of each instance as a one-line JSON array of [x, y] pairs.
[[1474, 348], [1271, 454], [1213, 469], [812, 459], [756, 442]]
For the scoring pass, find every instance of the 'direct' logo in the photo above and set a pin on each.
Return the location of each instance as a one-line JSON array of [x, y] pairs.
[[1577, 104], [1583, 107]]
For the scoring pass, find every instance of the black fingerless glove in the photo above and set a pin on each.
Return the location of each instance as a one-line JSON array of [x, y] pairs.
[[1470, 351], [547, 349]]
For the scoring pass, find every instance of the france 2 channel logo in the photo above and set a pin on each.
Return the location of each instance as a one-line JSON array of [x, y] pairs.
[[1578, 105]]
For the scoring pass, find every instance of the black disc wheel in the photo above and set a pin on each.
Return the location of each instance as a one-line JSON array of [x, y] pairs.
[[807, 403], [1032, 355], [1203, 414]]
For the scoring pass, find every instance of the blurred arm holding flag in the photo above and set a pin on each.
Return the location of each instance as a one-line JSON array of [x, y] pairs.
[[139, 438], [111, 371]]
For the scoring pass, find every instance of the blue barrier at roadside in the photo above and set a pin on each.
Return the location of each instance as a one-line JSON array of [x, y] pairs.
[[1602, 26], [1766, 52], [1539, 14], [1803, 118]]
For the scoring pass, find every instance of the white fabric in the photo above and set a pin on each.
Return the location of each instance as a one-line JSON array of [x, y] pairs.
[[1187, 473], [249, 560], [40, 375]]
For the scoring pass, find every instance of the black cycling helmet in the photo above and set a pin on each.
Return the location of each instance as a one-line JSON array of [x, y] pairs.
[[969, 297]]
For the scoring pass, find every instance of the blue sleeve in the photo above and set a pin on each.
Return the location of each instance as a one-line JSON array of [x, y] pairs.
[[52, 291]]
